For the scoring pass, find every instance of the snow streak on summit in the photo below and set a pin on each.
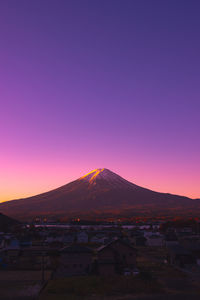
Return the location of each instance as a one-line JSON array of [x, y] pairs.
[[91, 175]]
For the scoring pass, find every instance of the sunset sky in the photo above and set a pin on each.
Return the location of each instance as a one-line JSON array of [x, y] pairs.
[[88, 84]]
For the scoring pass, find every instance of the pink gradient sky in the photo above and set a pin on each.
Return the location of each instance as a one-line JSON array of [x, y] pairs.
[[94, 84]]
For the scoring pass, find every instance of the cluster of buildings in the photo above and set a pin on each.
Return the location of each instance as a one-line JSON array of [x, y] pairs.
[[95, 250]]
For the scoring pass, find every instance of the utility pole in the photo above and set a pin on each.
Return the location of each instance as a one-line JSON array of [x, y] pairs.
[[43, 266], [42, 262]]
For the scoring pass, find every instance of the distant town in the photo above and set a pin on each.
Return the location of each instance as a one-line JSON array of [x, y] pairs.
[[45, 260]]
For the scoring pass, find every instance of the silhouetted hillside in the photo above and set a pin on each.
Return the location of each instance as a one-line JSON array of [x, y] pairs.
[[6, 223]]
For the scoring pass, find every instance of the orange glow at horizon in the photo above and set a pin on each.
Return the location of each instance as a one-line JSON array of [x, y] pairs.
[[25, 186]]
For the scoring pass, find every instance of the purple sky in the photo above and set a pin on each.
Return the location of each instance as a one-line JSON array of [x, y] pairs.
[[100, 83]]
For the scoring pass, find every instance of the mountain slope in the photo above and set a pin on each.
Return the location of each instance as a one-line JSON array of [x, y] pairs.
[[98, 191], [7, 223]]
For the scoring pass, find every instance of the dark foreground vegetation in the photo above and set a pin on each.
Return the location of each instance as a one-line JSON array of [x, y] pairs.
[[95, 287]]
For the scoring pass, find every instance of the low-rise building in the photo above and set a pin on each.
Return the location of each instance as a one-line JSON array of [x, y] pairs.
[[74, 260], [178, 255], [115, 257], [82, 237], [155, 240], [171, 239]]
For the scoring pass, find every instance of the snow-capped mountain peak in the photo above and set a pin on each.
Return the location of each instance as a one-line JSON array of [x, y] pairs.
[[98, 192], [103, 174]]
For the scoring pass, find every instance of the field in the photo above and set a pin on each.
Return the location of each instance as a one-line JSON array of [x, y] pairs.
[[20, 285], [93, 287], [156, 281]]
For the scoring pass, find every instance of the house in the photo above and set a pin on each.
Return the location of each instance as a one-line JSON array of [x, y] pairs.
[[52, 239], [178, 255], [149, 233], [155, 240], [194, 248], [74, 260], [184, 230], [35, 257], [190, 240], [2, 260], [2, 242], [99, 238], [115, 257], [54, 242], [82, 237], [106, 263], [28, 258], [68, 239], [11, 252], [171, 239], [25, 242], [137, 237], [56, 245], [139, 241]]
